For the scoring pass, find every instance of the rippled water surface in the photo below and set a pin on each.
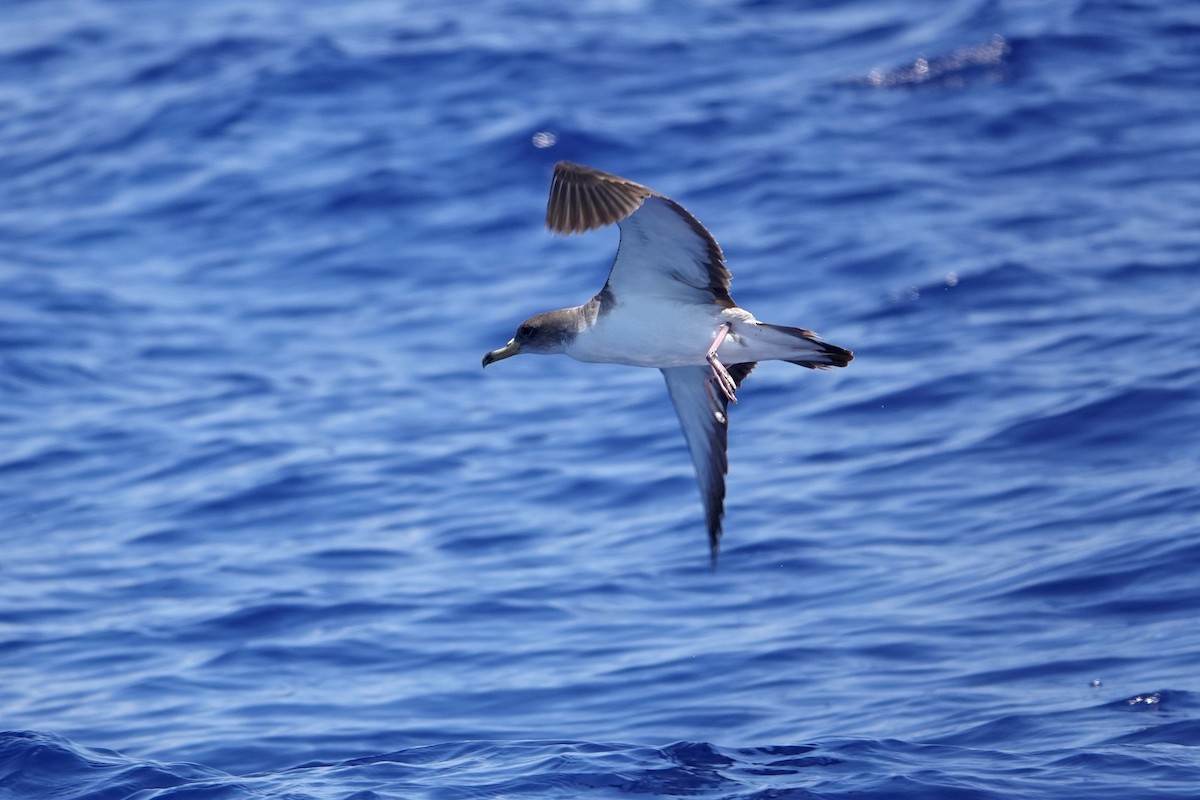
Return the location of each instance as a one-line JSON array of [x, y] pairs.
[[269, 530]]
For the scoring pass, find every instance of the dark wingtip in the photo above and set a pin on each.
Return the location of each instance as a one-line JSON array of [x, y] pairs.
[[714, 513], [834, 356], [838, 356]]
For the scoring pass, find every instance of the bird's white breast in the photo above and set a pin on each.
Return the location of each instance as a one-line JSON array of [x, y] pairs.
[[651, 332]]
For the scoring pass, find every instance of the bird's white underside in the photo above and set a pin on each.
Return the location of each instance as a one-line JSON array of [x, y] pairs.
[[651, 332]]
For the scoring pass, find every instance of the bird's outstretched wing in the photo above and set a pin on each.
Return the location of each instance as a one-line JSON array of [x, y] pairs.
[[701, 408], [665, 251]]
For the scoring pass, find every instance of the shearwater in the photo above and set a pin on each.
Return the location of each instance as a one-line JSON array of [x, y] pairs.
[[666, 305]]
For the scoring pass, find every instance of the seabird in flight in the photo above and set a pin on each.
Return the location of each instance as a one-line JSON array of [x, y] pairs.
[[666, 305]]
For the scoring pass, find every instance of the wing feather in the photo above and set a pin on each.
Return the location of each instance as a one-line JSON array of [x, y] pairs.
[[583, 199], [702, 411], [664, 251]]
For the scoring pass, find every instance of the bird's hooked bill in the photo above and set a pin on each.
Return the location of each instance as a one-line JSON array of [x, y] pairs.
[[510, 349]]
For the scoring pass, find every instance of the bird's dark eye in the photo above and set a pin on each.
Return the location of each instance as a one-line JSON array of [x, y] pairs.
[[525, 330]]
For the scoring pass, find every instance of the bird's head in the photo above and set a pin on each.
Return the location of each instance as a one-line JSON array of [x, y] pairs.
[[545, 333]]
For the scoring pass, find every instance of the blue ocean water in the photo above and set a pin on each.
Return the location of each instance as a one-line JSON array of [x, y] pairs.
[[269, 530]]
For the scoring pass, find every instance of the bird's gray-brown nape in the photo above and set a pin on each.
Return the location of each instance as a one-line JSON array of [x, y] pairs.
[[546, 333], [549, 332]]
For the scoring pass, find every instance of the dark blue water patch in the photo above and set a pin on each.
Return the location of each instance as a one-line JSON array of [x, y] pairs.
[[1185, 733], [1128, 421], [35, 764], [204, 61], [848, 768], [354, 560], [275, 618]]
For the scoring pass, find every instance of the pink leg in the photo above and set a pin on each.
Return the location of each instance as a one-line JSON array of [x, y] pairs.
[[721, 375]]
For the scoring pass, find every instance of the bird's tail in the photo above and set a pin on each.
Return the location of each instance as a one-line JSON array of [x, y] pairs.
[[809, 351]]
